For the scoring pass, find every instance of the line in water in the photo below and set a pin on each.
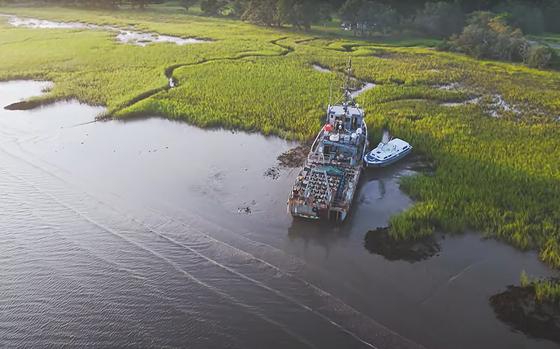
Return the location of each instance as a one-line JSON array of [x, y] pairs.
[[256, 282], [235, 301]]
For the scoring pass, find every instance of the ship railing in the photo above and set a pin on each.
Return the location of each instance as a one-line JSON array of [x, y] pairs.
[[364, 152], [314, 145]]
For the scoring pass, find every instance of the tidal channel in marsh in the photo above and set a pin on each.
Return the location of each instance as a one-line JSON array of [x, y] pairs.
[[137, 233], [124, 36]]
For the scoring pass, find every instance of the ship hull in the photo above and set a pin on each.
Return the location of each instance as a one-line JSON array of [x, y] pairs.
[[338, 211]]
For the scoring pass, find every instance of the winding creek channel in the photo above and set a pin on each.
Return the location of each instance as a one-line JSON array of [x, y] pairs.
[[123, 35], [153, 232]]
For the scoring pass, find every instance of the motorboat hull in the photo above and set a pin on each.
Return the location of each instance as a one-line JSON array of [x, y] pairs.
[[375, 163]]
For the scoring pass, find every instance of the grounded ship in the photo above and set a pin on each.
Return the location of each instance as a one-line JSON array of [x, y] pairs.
[[325, 187]]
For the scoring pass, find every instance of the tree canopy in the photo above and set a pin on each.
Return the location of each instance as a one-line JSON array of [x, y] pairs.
[[434, 17]]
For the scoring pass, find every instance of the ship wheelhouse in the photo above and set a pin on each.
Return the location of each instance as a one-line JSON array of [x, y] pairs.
[[349, 116]]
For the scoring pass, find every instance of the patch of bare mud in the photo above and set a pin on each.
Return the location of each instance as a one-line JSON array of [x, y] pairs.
[[519, 308], [294, 157], [379, 242]]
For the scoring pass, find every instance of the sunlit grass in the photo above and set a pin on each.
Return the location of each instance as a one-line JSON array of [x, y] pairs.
[[545, 289]]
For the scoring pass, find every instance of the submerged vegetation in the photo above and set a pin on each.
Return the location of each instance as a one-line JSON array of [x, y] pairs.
[[492, 128]]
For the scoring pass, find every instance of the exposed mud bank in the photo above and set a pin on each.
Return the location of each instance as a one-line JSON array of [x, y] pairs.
[[518, 307], [25, 105], [379, 242], [294, 157], [28, 104]]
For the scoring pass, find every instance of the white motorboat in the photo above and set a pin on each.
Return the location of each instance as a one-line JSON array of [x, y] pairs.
[[387, 153]]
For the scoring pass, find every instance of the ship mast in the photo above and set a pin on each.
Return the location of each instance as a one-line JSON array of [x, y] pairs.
[[347, 95]]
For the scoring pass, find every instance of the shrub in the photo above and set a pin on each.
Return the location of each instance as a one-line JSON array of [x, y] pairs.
[[444, 45], [539, 56], [489, 36]]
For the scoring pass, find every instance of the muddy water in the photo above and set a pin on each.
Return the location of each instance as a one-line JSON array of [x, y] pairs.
[[152, 232], [124, 36]]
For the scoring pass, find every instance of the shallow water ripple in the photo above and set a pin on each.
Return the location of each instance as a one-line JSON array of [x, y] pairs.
[[75, 266]]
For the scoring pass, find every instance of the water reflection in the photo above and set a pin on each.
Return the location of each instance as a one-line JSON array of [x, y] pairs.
[[319, 234]]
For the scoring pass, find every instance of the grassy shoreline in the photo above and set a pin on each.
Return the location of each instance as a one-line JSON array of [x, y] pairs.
[[497, 163]]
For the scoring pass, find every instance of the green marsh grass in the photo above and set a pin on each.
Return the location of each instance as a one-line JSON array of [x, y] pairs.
[[544, 289]]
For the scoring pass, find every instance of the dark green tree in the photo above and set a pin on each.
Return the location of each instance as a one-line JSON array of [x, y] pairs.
[[524, 15], [367, 16], [213, 7], [301, 13], [441, 18], [187, 4], [551, 14], [350, 13], [262, 12], [379, 17]]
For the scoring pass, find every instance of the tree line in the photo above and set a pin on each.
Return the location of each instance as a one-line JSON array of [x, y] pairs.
[[107, 4], [364, 17], [493, 29]]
